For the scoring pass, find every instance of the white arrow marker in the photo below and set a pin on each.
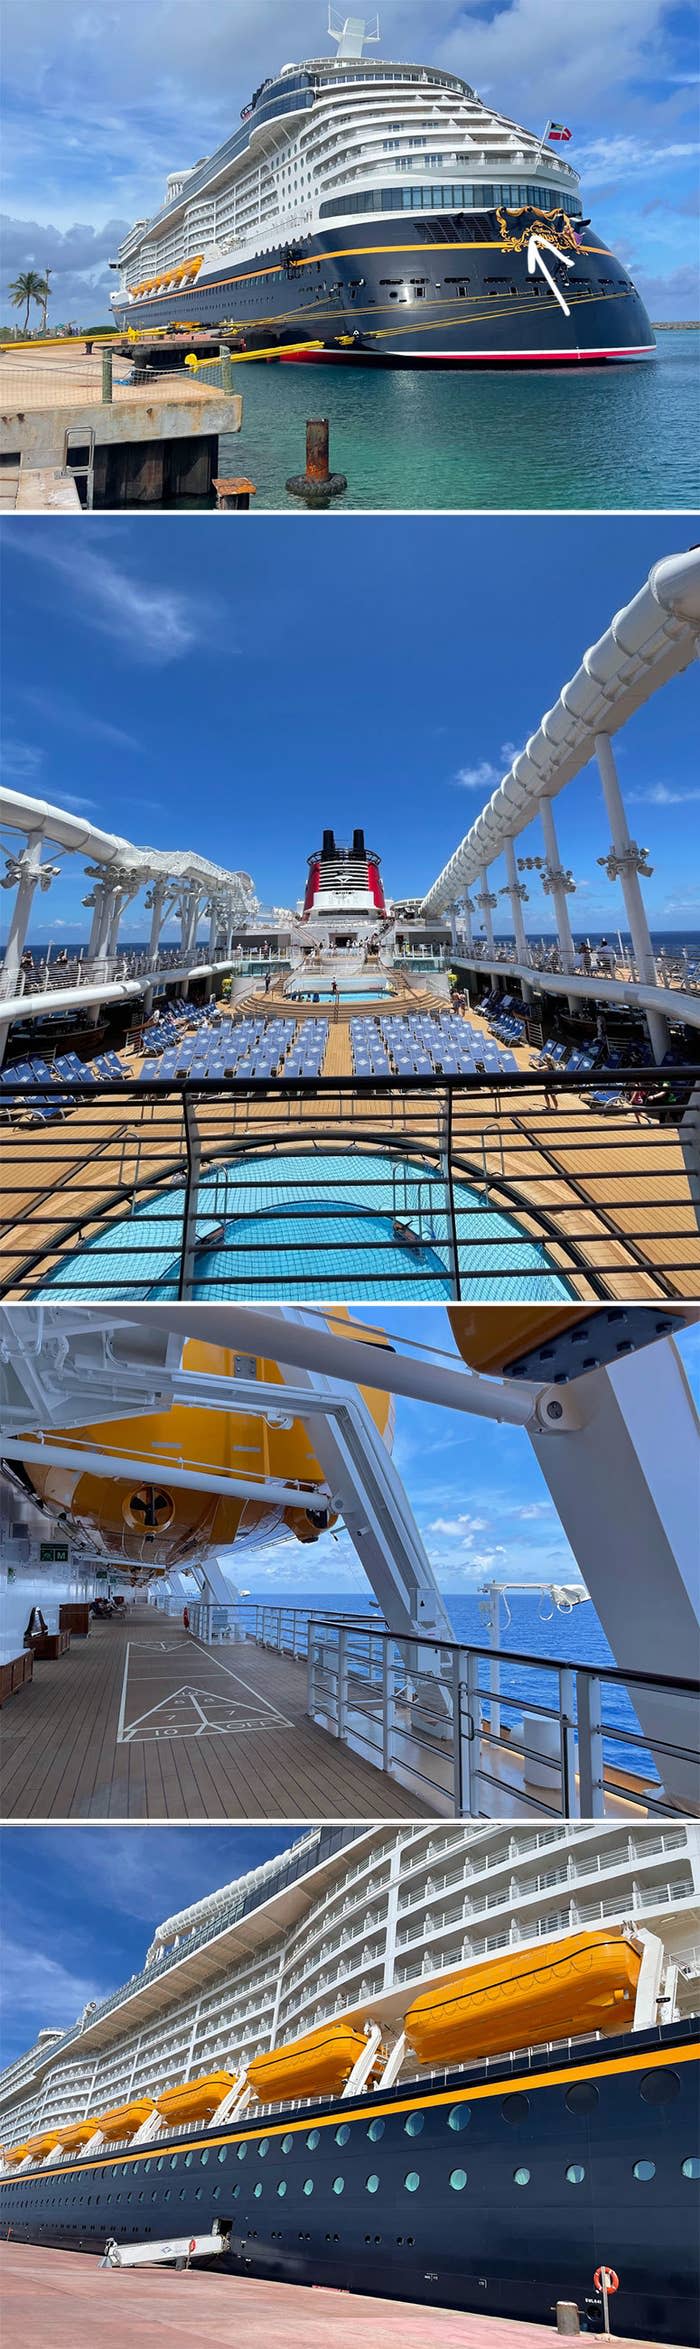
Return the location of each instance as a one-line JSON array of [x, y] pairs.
[[534, 258]]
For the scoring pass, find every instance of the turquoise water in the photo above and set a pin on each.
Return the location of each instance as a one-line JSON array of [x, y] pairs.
[[608, 437], [345, 994], [314, 1224]]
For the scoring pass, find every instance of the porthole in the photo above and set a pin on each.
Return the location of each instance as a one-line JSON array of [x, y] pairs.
[[203, 2159], [644, 2170], [412, 2181], [375, 2131], [308, 2185], [583, 2097], [257, 2189], [263, 2148], [338, 2185], [235, 2190], [414, 2124], [660, 2087], [313, 2139], [575, 2174], [166, 2193], [242, 2151], [690, 2168], [342, 2134], [372, 2182], [215, 2192], [188, 2161], [161, 2164], [459, 2117], [515, 2109], [287, 2142], [458, 2180], [282, 2187], [222, 2153], [521, 2177], [183, 2191], [146, 2168]]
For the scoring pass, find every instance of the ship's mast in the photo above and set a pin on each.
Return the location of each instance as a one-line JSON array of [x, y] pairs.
[[351, 33]]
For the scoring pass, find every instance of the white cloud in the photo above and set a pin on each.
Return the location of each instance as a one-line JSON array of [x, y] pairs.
[[22, 760], [482, 777], [34, 1982], [156, 623], [662, 795]]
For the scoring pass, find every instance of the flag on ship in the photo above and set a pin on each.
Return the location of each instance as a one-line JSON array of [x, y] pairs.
[[558, 130]]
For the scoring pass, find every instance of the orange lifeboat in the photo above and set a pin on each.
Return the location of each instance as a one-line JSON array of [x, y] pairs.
[[77, 2133], [17, 2152], [586, 1982], [125, 2119], [195, 2100], [43, 2144], [316, 2065]]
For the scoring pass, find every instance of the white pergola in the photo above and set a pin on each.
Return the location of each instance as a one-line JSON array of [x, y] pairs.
[[648, 643]]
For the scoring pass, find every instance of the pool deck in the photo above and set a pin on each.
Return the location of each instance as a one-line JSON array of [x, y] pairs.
[[620, 1191], [139, 1721], [65, 2297]]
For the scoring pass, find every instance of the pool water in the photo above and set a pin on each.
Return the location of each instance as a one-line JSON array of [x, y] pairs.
[[369, 994], [315, 1224]]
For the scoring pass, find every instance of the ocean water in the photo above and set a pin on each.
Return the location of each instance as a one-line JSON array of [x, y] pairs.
[[535, 1628], [609, 437], [663, 941]]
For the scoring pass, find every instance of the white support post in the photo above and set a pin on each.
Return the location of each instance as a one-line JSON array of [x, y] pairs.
[[468, 906], [388, 1704], [650, 1980], [590, 1746], [244, 2097], [231, 2102], [393, 2063], [487, 900], [567, 1745], [559, 885], [624, 862], [153, 2126], [518, 897], [360, 2073]]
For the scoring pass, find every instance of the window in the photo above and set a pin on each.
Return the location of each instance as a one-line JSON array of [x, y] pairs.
[[338, 2185], [515, 2109], [222, 2153], [521, 2177], [375, 2131], [203, 2159], [312, 2139], [644, 2170], [242, 2151], [257, 2189], [690, 2168], [412, 2181], [458, 2180], [287, 2142], [583, 2097], [459, 2117], [263, 2148], [308, 2185], [372, 2182], [282, 2187], [414, 2124], [342, 2134], [660, 2087], [575, 2173]]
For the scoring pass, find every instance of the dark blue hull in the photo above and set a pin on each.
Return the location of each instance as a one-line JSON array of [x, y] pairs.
[[436, 290], [501, 2190]]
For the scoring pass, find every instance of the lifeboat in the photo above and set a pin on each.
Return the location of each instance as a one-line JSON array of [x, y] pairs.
[[125, 2119], [584, 1983], [77, 2133], [147, 1523], [316, 2065], [17, 2152], [195, 2100], [557, 1342], [43, 2144]]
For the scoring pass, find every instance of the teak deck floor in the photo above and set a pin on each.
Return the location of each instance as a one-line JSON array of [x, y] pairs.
[[101, 1734]]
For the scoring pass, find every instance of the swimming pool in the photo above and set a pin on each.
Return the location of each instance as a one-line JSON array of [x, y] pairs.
[[312, 1224], [369, 994]]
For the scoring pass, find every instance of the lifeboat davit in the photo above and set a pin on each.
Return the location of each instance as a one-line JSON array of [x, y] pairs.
[[558, 1342], [195, 2100], [584, 1983], [317, 2065], [146, 1522]]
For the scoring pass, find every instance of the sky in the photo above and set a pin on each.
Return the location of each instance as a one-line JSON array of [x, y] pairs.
[[183, 700], [104, 97], [476, 1489], [103, 1891]]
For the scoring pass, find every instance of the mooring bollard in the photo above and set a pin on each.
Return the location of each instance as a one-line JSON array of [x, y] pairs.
[[226, 365], [233, 497], [106, 377], [568, 2320], [317, 484]]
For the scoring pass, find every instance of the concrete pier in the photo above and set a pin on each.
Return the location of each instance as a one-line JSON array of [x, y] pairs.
[[83, 420]]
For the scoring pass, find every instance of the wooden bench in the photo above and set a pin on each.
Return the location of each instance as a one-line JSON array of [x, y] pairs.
[[47, 1645], [74, 1615], [15, 1672]]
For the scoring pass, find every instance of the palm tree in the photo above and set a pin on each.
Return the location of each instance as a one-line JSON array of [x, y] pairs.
[[27, 288], [44, 296]]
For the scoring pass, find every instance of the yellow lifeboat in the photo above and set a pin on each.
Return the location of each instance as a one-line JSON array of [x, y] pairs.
[[556, 1341], [195, 2100], [77, 2133], [586, 1982], [149, 1523], [125, 2119], [316, 2065], [17, 2152]]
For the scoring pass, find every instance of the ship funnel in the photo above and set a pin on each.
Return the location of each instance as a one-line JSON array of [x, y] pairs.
[[358, 844], [351, 33]]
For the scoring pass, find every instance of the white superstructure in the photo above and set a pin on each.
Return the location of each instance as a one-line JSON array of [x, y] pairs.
[[348, 1920]]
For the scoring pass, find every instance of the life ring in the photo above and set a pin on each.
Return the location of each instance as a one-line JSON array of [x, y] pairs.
[[607, 2276]]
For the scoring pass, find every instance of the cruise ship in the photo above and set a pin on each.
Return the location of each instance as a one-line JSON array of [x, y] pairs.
[[443, 2063], [383, 213]]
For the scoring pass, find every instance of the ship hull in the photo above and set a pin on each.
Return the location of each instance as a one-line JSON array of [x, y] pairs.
[[437, 290], [501, 2190]]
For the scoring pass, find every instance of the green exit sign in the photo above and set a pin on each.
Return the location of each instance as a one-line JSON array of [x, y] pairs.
[[53, 1553]]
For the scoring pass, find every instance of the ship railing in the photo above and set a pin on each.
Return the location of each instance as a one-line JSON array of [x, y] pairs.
[[596, 1198]]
